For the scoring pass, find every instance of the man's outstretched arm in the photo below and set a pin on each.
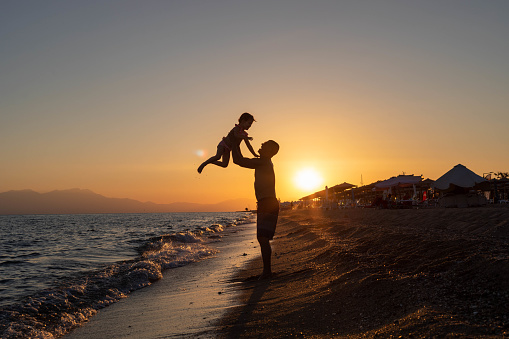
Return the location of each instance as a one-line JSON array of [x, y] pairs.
[[239, 159]]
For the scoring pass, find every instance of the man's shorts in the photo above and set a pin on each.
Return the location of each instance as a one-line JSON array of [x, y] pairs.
[[266, 217]]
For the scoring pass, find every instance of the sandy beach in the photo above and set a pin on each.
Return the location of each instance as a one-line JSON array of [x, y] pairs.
[[366, 273], [351, 273]]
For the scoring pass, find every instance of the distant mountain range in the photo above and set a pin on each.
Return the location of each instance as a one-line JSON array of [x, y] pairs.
[[82, 201]]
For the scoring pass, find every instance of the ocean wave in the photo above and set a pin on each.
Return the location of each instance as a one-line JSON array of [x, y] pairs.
[[212, 228], [246, 219], [54, 312]]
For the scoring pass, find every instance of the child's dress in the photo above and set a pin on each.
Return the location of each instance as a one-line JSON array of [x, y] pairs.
[[232, 138]]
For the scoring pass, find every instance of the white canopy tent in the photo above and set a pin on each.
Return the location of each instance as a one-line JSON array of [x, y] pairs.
[[401, 180], [456, 183]]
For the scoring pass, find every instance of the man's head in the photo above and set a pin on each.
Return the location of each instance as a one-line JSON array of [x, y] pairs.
[[269, 149]]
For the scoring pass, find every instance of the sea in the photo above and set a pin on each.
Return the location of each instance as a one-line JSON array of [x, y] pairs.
[[57, 271]]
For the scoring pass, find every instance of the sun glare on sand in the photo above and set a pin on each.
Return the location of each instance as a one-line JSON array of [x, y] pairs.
[[308, 179]]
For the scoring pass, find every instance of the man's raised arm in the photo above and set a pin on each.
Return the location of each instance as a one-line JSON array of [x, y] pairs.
[[239, 159]]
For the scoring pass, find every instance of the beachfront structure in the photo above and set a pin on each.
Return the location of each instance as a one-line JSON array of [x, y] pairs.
[[329, 197], [459, 187], [399, 190], [459, 178], [498, 192]]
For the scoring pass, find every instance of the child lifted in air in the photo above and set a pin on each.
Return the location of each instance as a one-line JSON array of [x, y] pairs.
[[233, 139]]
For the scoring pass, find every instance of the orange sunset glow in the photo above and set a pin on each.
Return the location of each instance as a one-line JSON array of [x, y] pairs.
[[308, 179], [130, 106]]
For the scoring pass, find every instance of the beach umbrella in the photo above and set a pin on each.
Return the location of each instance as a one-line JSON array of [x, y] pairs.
[[459, 176]]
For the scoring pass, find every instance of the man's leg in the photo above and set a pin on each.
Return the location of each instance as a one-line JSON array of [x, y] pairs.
[[266, 256]]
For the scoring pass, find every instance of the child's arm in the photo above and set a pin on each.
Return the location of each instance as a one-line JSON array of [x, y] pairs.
[[249, 147], [241, 134]]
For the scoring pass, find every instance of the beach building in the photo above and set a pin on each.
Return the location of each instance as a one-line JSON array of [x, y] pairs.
[[498, 192], [330, 197], [398, 191], [460, 187]]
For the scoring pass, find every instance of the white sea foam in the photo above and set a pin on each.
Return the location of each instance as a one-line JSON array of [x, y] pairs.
[[211, 229], [53, 312], [217, 228], [187, 237], [78, 302]]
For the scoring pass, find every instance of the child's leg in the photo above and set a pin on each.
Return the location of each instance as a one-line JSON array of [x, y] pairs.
[[214, 159], [225, 161]]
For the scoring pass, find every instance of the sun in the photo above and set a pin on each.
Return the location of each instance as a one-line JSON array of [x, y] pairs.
[[308, 179]]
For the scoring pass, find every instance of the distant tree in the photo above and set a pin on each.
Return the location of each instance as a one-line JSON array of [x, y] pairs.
[[502, 175]]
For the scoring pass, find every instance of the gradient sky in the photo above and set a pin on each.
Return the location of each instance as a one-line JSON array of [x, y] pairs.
[[127, 98]]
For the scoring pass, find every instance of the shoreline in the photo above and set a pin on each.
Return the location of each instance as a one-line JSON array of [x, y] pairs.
[[378, 273], [186, 302]]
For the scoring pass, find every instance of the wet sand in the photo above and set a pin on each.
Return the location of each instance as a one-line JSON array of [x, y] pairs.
[[187, 302], [378, 274]]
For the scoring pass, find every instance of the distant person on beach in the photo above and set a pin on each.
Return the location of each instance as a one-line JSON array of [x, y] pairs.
[[234, 138], [265, 190]]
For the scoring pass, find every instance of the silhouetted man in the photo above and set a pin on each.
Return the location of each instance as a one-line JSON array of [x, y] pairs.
[[265, 190]]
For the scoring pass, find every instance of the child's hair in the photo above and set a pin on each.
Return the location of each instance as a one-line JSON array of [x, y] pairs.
[[246, 116]]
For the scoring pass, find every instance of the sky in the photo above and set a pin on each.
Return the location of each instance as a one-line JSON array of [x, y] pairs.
[[127, 98]]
